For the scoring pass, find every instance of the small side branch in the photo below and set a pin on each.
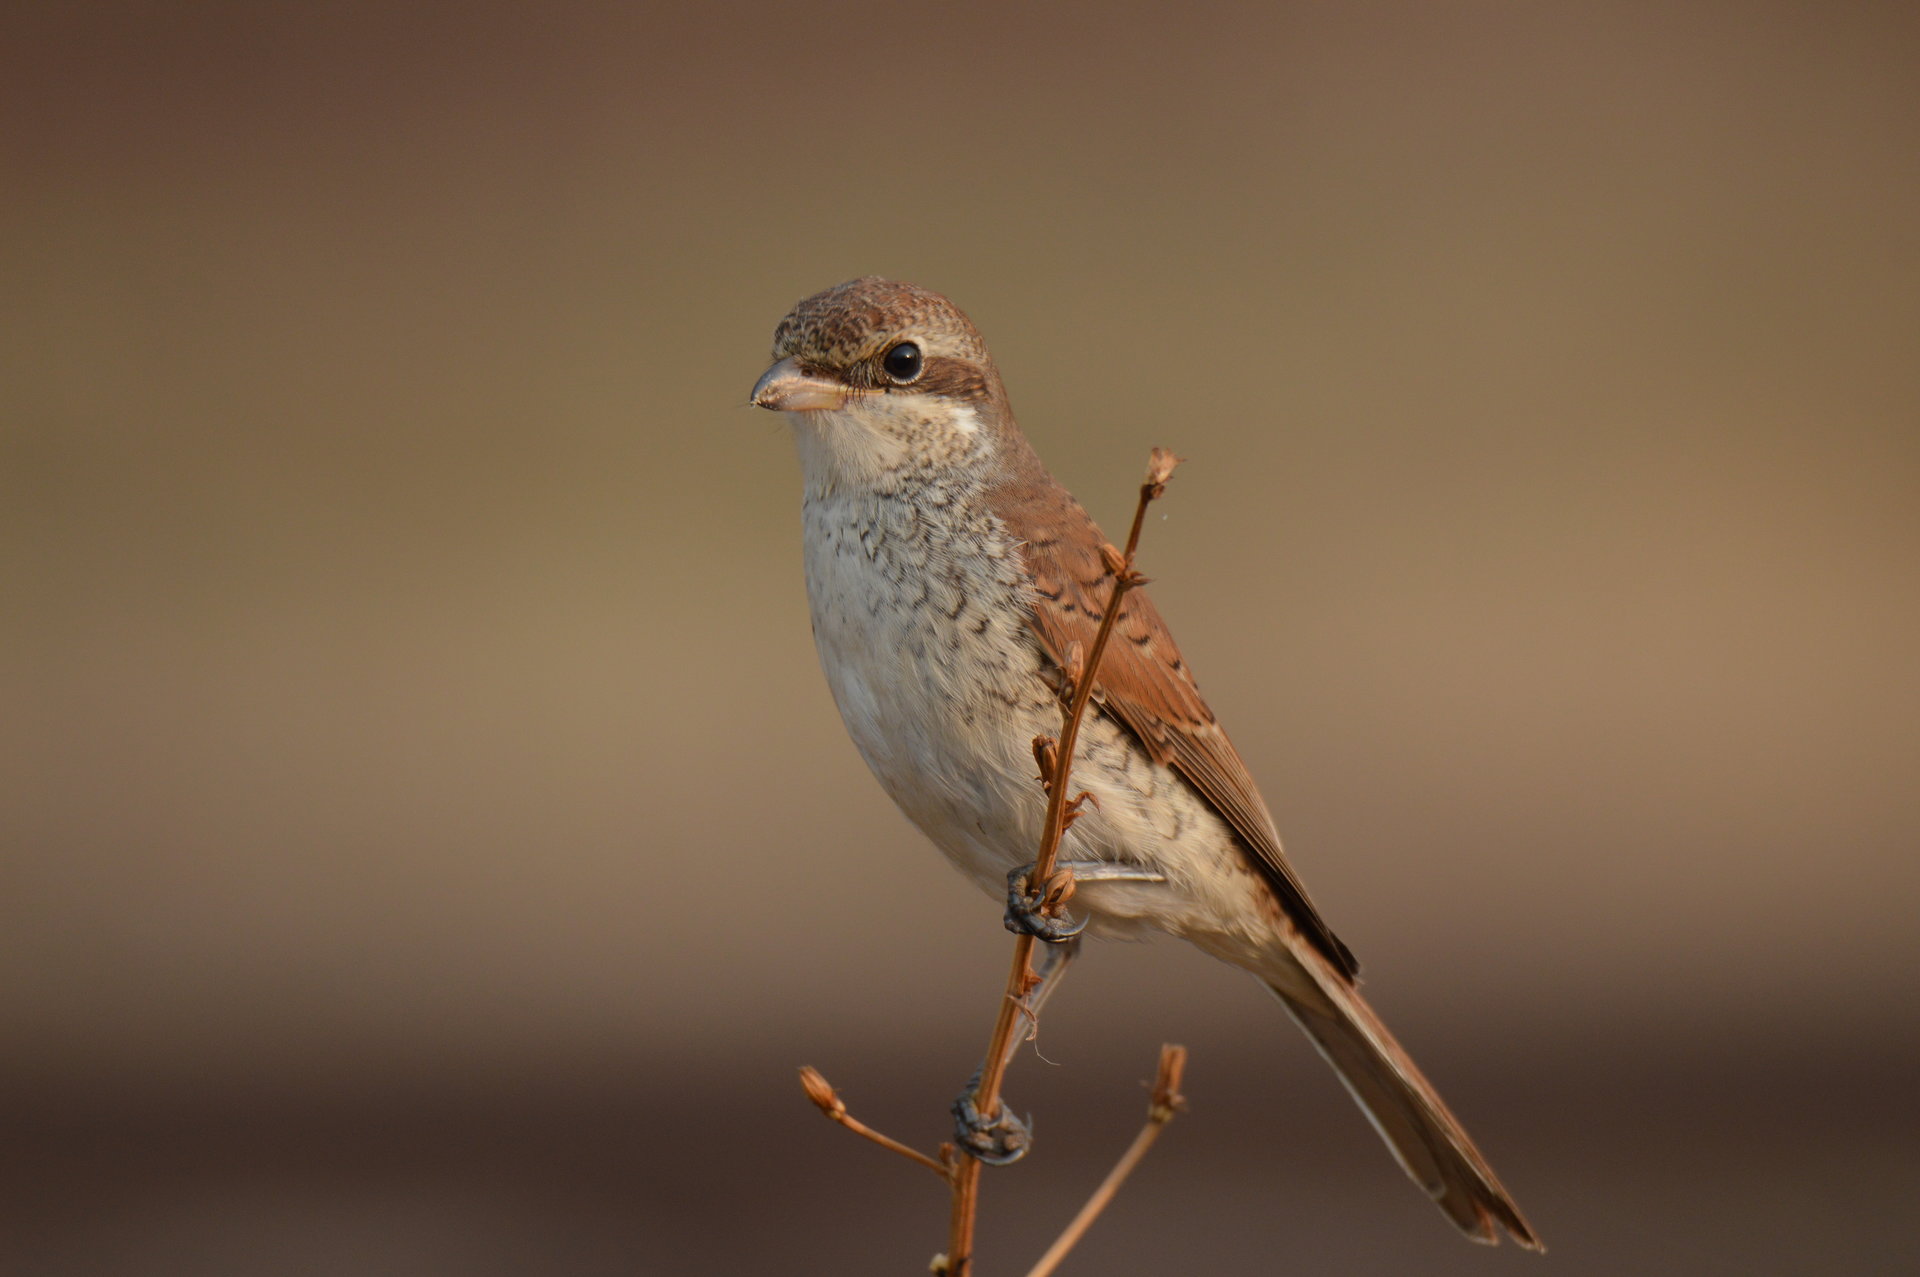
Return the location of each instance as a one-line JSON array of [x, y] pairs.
[[828, 1101], [1167, 1101]]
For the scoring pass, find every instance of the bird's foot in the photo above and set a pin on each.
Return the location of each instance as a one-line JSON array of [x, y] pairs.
[[1027, 913], [999, 1141]]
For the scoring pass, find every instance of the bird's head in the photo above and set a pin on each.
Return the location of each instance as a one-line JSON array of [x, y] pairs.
[[879, 376]]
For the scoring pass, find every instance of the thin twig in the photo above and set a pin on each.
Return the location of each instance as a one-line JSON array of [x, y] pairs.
[[1061, 808], [828, 1101], [958, 1259], [1167, 1101], [1081, 671]]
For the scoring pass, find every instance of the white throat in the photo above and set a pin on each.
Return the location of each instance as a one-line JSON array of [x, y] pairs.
[[874, 440]]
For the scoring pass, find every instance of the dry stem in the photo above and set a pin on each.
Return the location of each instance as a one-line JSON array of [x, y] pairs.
[[986, 1096], [828, 1101], [1167, 1101], [961, 1172]]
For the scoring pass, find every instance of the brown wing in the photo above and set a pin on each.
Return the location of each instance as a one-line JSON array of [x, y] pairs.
[[1143, 682]]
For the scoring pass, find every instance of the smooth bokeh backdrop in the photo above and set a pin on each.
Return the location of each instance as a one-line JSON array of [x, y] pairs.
[[426, 842]]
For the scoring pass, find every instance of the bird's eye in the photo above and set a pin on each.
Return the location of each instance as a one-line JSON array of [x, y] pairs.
[[902, 362]]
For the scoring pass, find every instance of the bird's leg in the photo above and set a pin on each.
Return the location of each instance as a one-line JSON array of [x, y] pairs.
[[1005, 1138], [1050, 962], [1026, 904]]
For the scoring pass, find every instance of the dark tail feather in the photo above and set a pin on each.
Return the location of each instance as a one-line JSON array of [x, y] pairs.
[[1426, 1139]]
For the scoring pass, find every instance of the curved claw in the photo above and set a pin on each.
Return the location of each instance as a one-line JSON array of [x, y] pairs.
[[1024, 918], [999, 1142]]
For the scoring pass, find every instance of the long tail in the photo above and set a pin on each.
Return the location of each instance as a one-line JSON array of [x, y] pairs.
[[1426, 1139]]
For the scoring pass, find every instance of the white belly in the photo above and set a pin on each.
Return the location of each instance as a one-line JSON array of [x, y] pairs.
[[935, 676]]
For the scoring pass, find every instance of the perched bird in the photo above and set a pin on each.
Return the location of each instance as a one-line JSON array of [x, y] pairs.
[[947, 575]]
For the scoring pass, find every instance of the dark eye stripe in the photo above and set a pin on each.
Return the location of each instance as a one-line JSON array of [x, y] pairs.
[[954, 378]]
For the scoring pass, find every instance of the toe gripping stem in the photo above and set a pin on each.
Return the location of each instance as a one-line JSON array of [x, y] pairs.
[[999, 1141], [1025, 914]]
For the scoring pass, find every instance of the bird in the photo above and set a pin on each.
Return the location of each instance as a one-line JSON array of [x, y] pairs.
[[951, 581]]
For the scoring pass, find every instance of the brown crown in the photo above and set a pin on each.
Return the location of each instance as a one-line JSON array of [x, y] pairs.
[[853, 321]]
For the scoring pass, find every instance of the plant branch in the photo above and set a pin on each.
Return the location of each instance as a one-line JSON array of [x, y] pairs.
[[1167, 1101], [828, 1101], [1081, 670]]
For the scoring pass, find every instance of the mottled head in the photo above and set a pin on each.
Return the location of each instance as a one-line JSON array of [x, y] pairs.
[[876, 374]]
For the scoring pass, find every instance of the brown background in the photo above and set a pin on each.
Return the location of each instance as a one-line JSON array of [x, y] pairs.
[[429, 847]]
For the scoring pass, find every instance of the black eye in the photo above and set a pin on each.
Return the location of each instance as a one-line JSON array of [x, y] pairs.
[[902, 362]]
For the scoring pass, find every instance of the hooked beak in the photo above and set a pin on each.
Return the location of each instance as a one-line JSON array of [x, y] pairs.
[[785, 388]]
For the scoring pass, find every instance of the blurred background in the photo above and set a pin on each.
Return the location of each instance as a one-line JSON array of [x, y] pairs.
[[426, 842]]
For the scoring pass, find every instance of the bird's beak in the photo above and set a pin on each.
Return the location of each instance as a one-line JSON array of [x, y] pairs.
[[785, 388]]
